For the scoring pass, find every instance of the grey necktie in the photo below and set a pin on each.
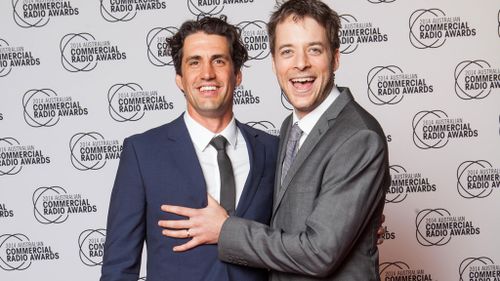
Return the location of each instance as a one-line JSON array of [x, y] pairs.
[[292, 146], [227, 183]]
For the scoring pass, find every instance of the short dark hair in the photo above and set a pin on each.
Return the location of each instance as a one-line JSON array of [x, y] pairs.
[[300, 9], [213, 26]]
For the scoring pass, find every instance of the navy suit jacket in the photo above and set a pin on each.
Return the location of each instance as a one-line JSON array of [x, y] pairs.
[[159, 167]]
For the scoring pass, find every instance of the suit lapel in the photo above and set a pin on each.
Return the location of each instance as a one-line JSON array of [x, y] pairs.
[[182, 152], [284, 132], [256, 154], [322, 126]]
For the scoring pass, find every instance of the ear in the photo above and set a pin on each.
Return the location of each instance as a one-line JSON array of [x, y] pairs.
[[178, 82], [239, 77], [273, 65], [336, 60]]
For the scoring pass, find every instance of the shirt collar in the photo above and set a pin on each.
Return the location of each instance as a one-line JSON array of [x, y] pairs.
[[307, 122], [201, 136]]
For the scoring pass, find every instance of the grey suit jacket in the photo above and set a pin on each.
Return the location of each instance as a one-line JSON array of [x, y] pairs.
[[327, 212]]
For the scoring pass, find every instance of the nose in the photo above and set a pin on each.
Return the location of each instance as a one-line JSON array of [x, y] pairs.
[[207, 71], [302, 61]]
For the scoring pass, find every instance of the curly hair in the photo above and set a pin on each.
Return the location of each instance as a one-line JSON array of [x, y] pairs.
[[213, 26]]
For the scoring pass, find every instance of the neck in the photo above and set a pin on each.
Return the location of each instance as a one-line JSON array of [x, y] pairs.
[[213, 123]]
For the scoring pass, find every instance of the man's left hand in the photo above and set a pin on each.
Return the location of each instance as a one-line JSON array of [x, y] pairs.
[[203, 226]]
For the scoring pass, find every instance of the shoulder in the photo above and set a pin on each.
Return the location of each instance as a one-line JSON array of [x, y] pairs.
[[357, 118], [158, 134]]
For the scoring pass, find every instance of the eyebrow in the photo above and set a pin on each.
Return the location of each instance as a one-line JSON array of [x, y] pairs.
[[314, 43], [219, 56], [213, 57]]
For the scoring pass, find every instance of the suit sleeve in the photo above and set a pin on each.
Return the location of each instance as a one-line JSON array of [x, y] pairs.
[[352, 189], [126, 221]]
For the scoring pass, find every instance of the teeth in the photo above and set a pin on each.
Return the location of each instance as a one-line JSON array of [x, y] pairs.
[[208, 88], [302, 80]]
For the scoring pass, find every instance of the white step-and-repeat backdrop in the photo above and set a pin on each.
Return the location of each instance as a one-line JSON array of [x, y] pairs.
[[76, 77]]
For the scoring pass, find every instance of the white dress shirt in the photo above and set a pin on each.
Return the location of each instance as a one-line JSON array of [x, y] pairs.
[[207, 155], [307, 122]]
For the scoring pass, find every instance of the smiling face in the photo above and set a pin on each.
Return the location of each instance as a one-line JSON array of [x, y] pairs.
[[304, 62], [207, 76]]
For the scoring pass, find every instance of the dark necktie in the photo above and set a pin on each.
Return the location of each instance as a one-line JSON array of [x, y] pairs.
[[291, 149], [227, 183]]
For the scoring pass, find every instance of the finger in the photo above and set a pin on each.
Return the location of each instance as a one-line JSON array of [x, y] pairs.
[[187, 246], [178, 210], [176, 233], [176, 224], [380, 231]]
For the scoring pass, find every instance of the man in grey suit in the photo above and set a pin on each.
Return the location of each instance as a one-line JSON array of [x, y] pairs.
[[332, 171]]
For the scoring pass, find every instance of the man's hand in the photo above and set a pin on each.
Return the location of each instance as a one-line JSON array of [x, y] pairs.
[[381, 230], [203, 226]]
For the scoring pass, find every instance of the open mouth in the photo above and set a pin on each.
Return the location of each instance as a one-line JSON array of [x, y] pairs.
[[302, 83], [206, 89]]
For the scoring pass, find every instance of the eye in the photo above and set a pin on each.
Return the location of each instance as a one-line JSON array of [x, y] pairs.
[[286, 52], [316, 50], [193, 63], [219, 61]]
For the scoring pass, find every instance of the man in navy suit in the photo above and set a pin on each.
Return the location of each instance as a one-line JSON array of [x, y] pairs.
[[175, 164]]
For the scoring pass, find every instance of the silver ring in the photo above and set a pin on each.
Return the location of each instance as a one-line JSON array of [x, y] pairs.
[[187, 233]]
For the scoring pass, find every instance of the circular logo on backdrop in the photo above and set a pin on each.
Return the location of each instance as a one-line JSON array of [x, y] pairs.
[[90, 151], [10, 259], [91, 244], [475, 79], [43, 108], [157, 46], [353, 33], [436, 227], [478, 268], [255, 38], [39, 117], [81, 52], [400, 270], [430, 28], [17, 252], [205, 7], [477, 179], [11, 56], [387, 85], [129, 102], [433, 129], [404, 183], [13, 156], [53, 205], [28, 14], [265, 126], [45, 211]]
